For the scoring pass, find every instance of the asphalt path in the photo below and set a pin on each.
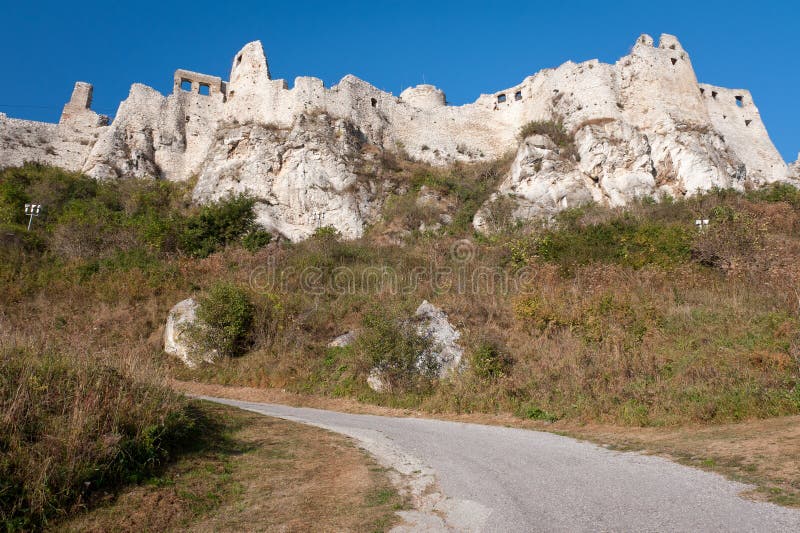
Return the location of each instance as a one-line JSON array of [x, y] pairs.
[[490, 478]]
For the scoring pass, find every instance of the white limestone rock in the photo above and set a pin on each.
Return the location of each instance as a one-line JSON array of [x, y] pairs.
[[343, 340], [376, 381], [643, 125], [794, 168], [181, 318], [302, 177], [434, 326]]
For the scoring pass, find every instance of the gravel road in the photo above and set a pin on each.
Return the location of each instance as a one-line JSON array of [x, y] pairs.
[[471, 477]]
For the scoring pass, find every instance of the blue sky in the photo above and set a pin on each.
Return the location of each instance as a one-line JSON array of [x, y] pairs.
[[466, 48]]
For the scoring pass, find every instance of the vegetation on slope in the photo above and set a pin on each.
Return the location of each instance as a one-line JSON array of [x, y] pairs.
[[629, 316]]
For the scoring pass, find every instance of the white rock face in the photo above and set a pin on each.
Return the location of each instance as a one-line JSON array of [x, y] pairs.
[[343, 340], [643, 125], [176, 342], [303, 176], [794, 168]]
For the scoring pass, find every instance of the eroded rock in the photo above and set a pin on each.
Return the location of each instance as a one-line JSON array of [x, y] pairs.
[[177, 338], [444, 351]]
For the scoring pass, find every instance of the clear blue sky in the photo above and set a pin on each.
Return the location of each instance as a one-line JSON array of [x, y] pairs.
[[464, 47]]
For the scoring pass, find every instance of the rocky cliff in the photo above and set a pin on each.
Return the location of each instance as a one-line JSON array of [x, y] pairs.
[[642, 126]]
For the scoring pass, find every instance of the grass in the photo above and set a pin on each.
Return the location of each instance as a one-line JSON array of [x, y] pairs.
[[625, 316], [254, 473], [72, 429]]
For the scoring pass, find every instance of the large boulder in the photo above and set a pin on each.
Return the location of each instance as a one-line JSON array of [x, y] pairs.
[[302, 177], [432, 324], [177, 338]]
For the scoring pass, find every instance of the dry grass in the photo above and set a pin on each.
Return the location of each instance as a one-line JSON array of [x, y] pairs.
[[260, 474], [759, 452]]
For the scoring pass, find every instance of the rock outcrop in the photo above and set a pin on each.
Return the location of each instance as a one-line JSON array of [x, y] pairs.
[[641, 126], [794, 168], [443, 337], [444, 351], [304, 176]]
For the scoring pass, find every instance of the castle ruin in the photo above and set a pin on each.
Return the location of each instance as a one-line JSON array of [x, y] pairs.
[[694, 136]]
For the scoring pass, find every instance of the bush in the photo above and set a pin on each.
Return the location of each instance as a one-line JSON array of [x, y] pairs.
[[256, 239], [217, 225], [490, 361], [326, 233], [556, 132], [397, 351], [71, 427], [226, 314], [623, 240]]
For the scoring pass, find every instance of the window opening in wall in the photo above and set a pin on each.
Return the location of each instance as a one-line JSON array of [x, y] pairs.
[[238, 60], [374, 102], [672, 47], [713, 94], [518, 95], [747, 122], [673, 60], [186, 85], [501, 98], [702, 91], [205, 90], [230, 94], [740, 101]]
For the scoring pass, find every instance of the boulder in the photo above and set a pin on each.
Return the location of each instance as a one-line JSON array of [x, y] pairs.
[[342, 341], [182, 317], [432, 324]]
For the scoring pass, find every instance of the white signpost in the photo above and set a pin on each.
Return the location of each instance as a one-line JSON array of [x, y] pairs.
[[32, 210]]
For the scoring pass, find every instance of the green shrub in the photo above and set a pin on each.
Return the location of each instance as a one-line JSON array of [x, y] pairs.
[[778, 192], [256, 239], [397, 351], [624, 240], [490, 361], [556, 132], [535, 413], [218, 224], [227, 317], [326, 233]]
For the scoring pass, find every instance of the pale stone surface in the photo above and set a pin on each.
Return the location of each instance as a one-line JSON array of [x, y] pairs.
[[435, 326], [303, 176], [176, 342], [343, 340], [432, 324], [643, 125], [794, 168], [376, 381]]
